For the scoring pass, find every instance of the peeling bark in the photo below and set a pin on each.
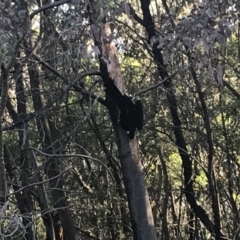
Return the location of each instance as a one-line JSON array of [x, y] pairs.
[[131, 166]]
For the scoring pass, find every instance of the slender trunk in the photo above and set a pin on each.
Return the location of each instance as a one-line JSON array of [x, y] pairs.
[[3, 101], [180, 140], [131, 166], [29, 160], [53, 168]]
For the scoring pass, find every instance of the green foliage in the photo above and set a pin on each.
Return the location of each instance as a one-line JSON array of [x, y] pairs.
[[77, 131], [175, 170]]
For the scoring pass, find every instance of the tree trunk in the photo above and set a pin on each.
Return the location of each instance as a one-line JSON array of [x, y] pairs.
[[132, 170], [3, 101], [173, 107]]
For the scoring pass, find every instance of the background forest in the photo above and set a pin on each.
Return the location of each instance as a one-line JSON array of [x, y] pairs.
[[68, 171]]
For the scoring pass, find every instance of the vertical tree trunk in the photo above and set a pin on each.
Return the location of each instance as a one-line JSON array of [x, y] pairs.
[[53, 170], [173, 107], [59, 197], [3, 101], [131, 166], [25, 163]]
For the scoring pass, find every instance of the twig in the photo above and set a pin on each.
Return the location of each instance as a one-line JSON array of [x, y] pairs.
[[161, 82], [49, 104], [48, 6]]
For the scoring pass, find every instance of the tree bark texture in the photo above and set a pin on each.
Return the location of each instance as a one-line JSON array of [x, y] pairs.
[[180, 140], [131, 166]]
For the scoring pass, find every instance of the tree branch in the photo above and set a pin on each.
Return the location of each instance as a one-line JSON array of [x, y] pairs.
[[173, 107], [48, 6], [58, 98], [75, 86], [161, 82]]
